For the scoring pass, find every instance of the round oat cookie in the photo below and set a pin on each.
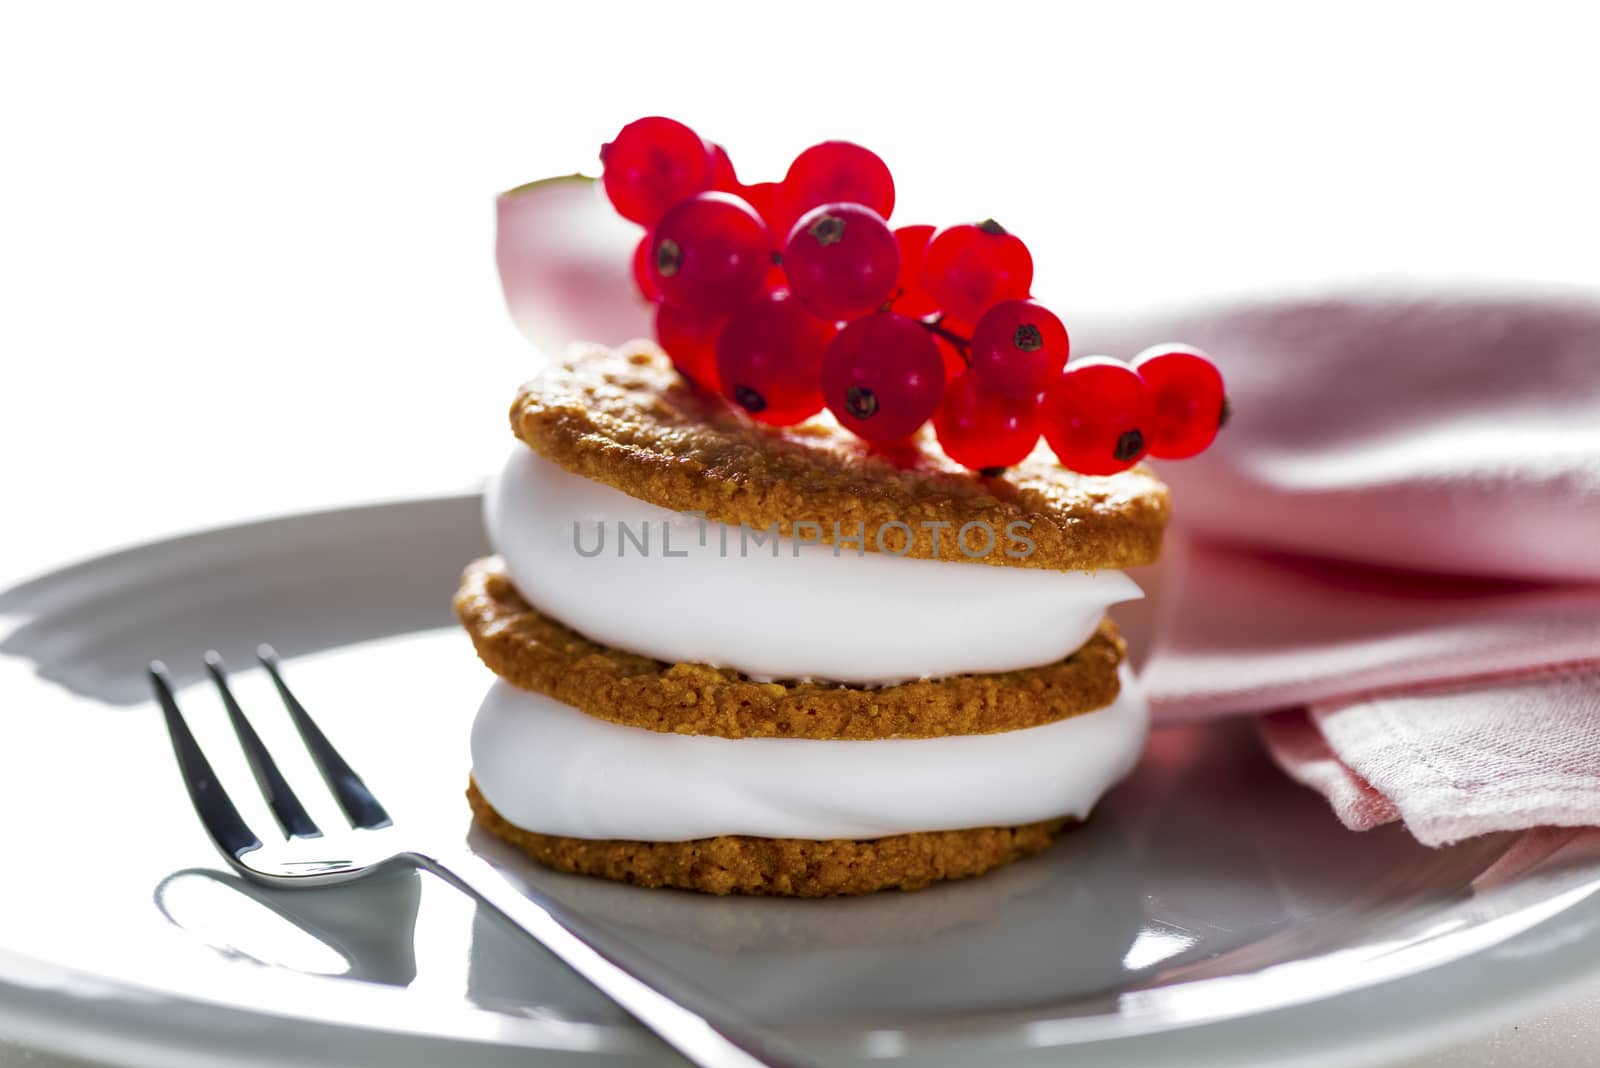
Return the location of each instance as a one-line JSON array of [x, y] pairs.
[[779, 867], [627, 419], [534, 652]]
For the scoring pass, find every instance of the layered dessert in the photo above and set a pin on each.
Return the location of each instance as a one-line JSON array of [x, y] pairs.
[[757, 628]]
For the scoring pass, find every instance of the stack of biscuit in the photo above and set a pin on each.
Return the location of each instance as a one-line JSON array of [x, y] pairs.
[[774, 763]]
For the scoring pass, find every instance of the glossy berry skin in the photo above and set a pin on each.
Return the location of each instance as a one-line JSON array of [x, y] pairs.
[[709, 253], [955, 364], [724, 179], [911, 298], [842, 261], [641, 271], [835, 172], [1189, 399], [763, 196], [1018, 347], [980, 430], [970, 268], [768, 358], [775, 280], [1097, 416], [883, 376], [651, 165], [690, 339]]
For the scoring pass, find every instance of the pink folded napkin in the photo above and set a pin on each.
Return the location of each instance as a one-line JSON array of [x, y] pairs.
[[1394, 549]]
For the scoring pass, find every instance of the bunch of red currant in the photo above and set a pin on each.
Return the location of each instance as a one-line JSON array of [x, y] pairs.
[[787, 297]]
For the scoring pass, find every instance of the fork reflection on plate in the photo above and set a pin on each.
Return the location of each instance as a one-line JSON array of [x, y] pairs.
[[691, 1022]]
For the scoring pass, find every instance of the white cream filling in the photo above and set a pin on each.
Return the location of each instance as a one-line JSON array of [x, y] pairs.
[[676, 588], [549, 768]]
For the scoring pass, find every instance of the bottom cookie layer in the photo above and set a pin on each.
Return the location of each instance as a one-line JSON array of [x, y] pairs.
[[780, 867]]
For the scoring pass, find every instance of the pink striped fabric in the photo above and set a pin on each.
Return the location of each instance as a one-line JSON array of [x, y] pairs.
[[1393, 552]]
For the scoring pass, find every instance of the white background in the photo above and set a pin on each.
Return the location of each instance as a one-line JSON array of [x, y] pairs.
[[246, 253]]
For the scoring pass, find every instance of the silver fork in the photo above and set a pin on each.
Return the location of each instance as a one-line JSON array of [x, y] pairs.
[[688, 1020]]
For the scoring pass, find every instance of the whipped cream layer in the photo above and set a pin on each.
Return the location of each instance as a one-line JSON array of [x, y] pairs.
[[677, 588], [549, 768]]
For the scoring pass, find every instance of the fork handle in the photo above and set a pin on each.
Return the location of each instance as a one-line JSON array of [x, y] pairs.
[[689, 1021]]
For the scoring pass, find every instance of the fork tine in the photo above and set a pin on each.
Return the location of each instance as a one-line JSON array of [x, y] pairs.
[[222, 821], [290, 813], [357, 801]]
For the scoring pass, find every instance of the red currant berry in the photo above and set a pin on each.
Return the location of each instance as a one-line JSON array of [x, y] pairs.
[[641, 271], [1018, 347], [651, 165], [955, 364], [768, 359], [970, 268], [1190, 404], [1097, 416], [842, 261], [980, 429], [709, 253], [911, 298], [723, 177], [882, 376], [834, 172], [690, 338], [763, 196]]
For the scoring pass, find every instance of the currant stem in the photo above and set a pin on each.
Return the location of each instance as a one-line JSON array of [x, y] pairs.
[[936, 327]]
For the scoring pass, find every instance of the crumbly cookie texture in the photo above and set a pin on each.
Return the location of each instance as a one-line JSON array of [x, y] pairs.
[[626, 418], [779, 867], [534, 652]]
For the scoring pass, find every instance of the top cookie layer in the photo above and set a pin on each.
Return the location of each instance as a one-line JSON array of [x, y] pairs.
[[627, 419]]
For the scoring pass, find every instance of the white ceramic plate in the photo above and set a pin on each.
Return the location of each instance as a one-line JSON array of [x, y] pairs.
[[1211, 912]]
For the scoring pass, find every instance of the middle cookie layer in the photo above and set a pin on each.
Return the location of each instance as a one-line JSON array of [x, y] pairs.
[[534, 652]]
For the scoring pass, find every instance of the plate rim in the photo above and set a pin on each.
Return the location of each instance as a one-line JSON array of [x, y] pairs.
[[54, 1006]]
